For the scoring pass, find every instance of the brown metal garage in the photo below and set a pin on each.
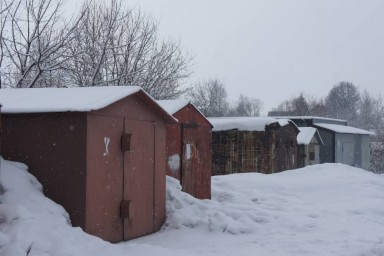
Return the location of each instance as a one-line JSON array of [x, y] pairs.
[[189, 148], [99, 152]]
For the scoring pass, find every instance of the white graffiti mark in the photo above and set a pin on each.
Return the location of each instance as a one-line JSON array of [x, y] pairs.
[[106, 142], [188, 151]]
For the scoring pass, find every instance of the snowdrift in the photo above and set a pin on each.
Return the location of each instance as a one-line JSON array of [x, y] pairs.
[[329, 209], [33, 225]]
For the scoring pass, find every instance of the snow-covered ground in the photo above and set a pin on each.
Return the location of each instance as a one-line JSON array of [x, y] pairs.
[[329, 209]]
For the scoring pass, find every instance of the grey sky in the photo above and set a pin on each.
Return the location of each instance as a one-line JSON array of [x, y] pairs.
[[272, 50]]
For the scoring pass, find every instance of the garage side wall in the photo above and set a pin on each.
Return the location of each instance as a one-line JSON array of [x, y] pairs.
[[174, 151], [53, 146], [195, 151]]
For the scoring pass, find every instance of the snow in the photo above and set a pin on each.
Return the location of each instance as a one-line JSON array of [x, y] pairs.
[[244, 123], [172, 106], [174, 162], [312, 117], [35, 100], [329, 209], [306, 134], [343, 129]]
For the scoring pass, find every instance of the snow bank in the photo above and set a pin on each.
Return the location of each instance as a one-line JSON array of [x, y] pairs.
[[33, 225], [244, 123], [183, 210], [329, 209]]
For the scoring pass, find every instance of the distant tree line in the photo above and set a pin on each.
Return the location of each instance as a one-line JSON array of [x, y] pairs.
[[344, 101], [210, 97], [103, 44]]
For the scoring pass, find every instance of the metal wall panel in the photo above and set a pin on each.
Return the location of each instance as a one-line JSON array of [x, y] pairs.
[[190, 143], [53, 145], [104, 177], [139, 178]]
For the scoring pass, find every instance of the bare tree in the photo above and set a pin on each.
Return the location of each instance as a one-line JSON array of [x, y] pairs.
[[4, 6], [295, 106], [377, 151], [210, 97], [371, 112], [120, 47], [246, 106], [342, 102], [34, 46]]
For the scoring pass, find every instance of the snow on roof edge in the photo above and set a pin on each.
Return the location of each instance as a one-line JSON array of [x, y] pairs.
[[306, 134], [310, 117], [179, 104], [175, 107], [75, 99], [343, 129], [245, 123]]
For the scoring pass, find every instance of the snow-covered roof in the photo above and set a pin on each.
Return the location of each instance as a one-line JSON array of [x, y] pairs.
[[343, 128], [306, 134], [36, 100], [310, 117], [172, 106], [244, 123]]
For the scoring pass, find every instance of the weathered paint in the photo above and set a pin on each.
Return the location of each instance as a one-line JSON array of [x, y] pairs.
[[104, 177], [78, 159], [53, 145], [191, 140], [271, 151]]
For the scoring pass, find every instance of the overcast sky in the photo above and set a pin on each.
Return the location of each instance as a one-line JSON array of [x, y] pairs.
[[272, 50]]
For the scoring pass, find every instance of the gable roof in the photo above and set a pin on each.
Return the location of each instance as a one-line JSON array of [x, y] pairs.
[[172, 106], [82, 99], [76, 99], [342, 129], [245, 123], [306, 135]]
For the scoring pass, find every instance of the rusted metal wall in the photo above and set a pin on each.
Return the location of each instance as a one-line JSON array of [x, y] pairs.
[[271, 151], [190, 140], [139, 178], [53, 145], [203, 162], [174, 145], [78, 158], [142, 186], [104, 177], [0, 128]]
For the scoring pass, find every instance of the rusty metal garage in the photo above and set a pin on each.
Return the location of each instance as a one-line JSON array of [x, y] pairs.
[[99, 152], [189, 148]]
